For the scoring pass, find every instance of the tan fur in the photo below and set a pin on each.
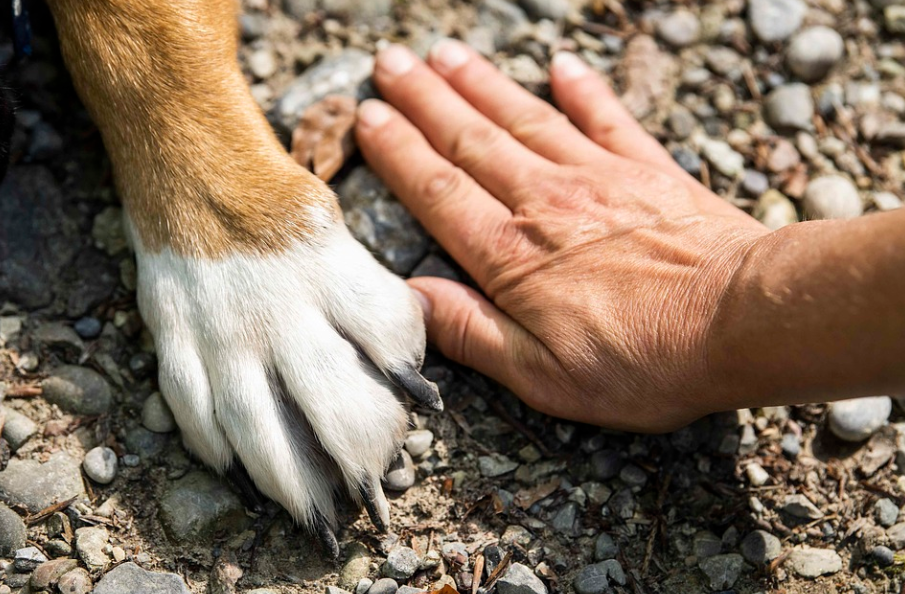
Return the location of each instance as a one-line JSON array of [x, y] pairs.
[[196, 164]]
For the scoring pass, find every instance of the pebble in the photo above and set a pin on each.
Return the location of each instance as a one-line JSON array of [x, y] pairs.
[[342, 74], [633, 476], [757, 476], [262, 63], [357, 566], [364, 584], [755, 183], [410, 590], [774, 210], [813, 52], [682, 122], [687, 160], [723, 158], [90, 543], [100, 465], [790, 444], [496, 465], [760, 547], [17, 429], [775, 20], [401, 474], [37, 486], [335, 590], [146, 444], [379, 221], [58, 548], [10, 328], [800, 506], [78, 581], [455, 553], [555, 10], [129, 577], [156, 416], [27, 559], [88, 327], [564, 520], [606, 464], [401, 564], [886, 511], [884, 556], [12, 531], [516, 535], [783, 157], [832, 197], [418, 442], [593, 579], [896, 536], [384, 586], [197, 504], [623, 504], [680, 28], [48, 574], [857, 419], [519, 579], [605, 548], [706, 544], [78, 390], [810, 563], [886, 201], [894, 19], [789, 107], [722, 570]]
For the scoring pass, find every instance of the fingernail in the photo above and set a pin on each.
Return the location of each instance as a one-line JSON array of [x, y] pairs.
[[567, 66], [449, 54], [373, 113], [396, 60], [426, 307]]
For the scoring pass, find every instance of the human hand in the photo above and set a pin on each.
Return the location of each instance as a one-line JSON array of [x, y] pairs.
[[603, 263]]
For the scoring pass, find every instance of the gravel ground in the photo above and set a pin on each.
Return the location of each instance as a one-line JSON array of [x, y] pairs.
[[789, 109]]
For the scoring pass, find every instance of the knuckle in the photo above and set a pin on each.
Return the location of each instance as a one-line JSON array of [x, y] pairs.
[[445, 184], [473, 142], [535, 123]]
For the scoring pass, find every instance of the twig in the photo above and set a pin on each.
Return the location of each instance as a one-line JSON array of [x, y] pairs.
[[478, 572], [49, 511]]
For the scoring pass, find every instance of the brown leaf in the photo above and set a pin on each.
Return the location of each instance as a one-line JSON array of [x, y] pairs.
[[323, 139], [525, 498], [446, 589]]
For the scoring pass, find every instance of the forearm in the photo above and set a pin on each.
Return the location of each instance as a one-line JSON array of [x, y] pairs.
[[816, 313]]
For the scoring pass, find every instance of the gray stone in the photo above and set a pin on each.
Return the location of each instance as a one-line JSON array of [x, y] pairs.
[[342, 74], [680, 28], [364, 584], [455, 553], [755, 183], [262, 63], [356, 568], [10, 328], [886, 511], [131, 578], [401, 564], [760, 547], [884, 556], [60, 339], [605, 548], [519, 579], [722, 570], [108, 232], [810, 563], [896, 536], [622, 504], [381, 222], [17, 429], [790, 107], [409, 590], [775, 20], [78, 390], [384, 586], [100, 465], [505, 19], [757, 476], [723, 157], [37, 486], [156, 416], [682, 122], [706, 544], [813, 52], [27, 559], [564, 520], [335, 590], [88, 328], [833, 197], [418, 442], [401, 473], [58, 548], [790, 444], [555, 10], [633, 476], [12, 531], [197, 505], [606, 464], [146, 444], [358, 11], [496, 465], [48, 574], [687, 160], [800, 506], [856, 420], [90, 543]]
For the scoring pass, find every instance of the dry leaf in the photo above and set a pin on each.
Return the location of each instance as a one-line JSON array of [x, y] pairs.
[[525, 498], [323, 139], [446, 589]]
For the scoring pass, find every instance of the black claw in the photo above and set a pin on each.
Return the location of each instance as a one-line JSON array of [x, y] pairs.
[[422, 391], [325, 536], [368, 496], [251, 497]]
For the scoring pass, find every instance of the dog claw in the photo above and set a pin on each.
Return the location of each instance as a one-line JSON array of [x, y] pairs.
[[375, 503], [422, 391], [251, 496], [326, 536]]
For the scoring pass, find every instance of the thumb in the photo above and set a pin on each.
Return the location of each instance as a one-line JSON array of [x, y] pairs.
[[471, 330]]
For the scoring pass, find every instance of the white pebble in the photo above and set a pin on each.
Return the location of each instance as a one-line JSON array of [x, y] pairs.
[[100, 465], [757, 476]]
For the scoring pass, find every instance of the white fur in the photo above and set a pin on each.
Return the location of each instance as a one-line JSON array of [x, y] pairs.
[[225, 328]]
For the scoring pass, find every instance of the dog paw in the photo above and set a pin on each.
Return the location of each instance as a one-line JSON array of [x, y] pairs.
[[292, 364]]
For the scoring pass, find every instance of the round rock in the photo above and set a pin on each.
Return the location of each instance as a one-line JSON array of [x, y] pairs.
[[884, 556], [100, 465], [129, 577], [401, 564], [12, 531], [605, 548], [813, 52], [156, 415], [680, 28], [760, 547], [774, 210], [723, 570], [790, 107], [384, 586], [401, 474], [418, 442], [887, 512], [78, 390], [810, 563], [832, 197], [775, 20], [857, 419], [518, 579]]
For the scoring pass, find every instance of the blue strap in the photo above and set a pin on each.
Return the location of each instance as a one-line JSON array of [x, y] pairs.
[[21, 28]]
